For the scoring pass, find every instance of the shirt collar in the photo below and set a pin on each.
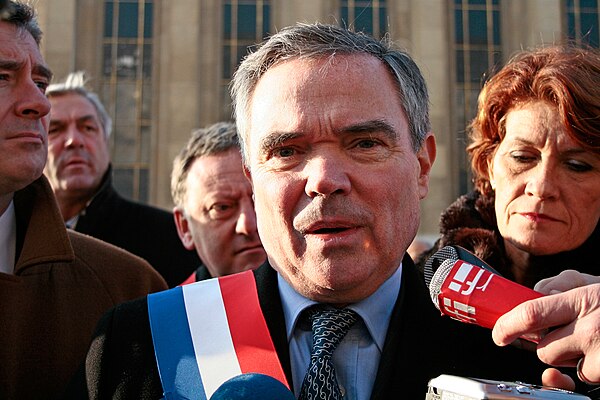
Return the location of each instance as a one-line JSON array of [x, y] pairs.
[[375, 310], [8, 239], [71, 223]]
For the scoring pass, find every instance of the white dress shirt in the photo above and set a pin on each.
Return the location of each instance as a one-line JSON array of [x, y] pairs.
[[356, 359]]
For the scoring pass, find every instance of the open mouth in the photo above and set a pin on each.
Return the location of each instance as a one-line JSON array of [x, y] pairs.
[[328, 231]]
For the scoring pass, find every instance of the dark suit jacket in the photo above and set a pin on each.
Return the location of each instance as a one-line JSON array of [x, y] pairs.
[[420, 345], [145, 231]]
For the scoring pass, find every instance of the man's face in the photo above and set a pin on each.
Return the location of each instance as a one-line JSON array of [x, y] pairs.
[[23, 108], [219, 219], [78, 153], [336, 182]]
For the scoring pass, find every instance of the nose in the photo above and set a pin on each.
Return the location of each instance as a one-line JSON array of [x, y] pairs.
[[542, 181], [246, 222], [326, 175], [73, 137], [33, 103]]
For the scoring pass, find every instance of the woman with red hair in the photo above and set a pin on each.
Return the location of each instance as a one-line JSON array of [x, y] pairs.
[[535, 156]]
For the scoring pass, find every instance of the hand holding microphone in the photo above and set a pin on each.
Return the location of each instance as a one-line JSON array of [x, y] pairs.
[[566, 280], [466, 288], [576, 341]]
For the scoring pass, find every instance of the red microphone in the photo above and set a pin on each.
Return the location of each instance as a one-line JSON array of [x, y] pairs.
[[472, 294]]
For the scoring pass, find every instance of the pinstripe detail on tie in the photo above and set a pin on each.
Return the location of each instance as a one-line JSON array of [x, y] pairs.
[[329, 326]]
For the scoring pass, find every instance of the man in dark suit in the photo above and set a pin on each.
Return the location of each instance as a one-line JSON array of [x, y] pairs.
[[336, 142], [80, 173]]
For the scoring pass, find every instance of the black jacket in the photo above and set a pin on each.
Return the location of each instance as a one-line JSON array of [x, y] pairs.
[[420, 345], [143, 230]]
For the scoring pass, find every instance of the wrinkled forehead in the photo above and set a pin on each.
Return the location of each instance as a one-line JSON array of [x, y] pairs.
[[19, 50], [334, 66], [325, 88], [300, 70], [73, 103]]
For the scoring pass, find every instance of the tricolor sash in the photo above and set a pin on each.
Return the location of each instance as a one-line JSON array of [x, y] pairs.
[[207, 332]]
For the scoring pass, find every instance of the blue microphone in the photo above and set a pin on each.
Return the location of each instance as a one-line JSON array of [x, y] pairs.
[[252, 386]]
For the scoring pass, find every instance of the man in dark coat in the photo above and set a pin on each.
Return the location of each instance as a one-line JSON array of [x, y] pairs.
[[337, 144], [80, 173]]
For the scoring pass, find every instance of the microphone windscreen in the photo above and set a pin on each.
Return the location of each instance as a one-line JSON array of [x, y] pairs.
[[252, 386], [437, 280], [452, 253]]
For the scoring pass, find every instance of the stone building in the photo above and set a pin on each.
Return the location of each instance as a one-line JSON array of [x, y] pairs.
[[162, 66]]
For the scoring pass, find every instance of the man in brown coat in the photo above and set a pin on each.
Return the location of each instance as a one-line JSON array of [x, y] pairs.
[[54, 283]]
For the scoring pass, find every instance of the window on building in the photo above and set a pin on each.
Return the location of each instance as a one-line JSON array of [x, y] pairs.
[[364, 16], [127, 92], [477, 52], [582, 21], [245, 23]]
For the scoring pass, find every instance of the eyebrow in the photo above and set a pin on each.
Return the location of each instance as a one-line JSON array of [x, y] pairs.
[[42, 70], [576, 149], [376, 125], [274, 139], [86, 118], [38, 69], [573, 151], [10, 65], [83, 119], [521, 140]]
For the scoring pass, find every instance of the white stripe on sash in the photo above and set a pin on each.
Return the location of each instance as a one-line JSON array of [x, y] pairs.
[[215, 355]]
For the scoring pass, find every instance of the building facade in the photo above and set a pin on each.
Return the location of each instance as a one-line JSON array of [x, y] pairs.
[[162, 66]]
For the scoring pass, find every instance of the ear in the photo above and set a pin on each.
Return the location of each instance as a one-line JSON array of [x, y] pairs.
[[106, 139], [490, 171], [247, 172], [183, 228], [426, 157], [249, 177]]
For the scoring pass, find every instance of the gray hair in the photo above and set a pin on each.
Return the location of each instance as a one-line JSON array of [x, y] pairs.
[[23, 16], [75, 84], [311, 41], [214, 139]]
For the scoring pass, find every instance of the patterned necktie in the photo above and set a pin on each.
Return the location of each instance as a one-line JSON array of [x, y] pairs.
[[329, 328]]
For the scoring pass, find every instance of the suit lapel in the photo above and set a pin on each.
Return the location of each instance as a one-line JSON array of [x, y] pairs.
[[270, 303], [406, 364]]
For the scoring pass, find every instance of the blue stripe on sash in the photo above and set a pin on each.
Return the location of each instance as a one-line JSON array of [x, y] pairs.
[[173, 346]]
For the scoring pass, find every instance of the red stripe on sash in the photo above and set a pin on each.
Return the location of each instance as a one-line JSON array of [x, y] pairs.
[[249, 332]]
